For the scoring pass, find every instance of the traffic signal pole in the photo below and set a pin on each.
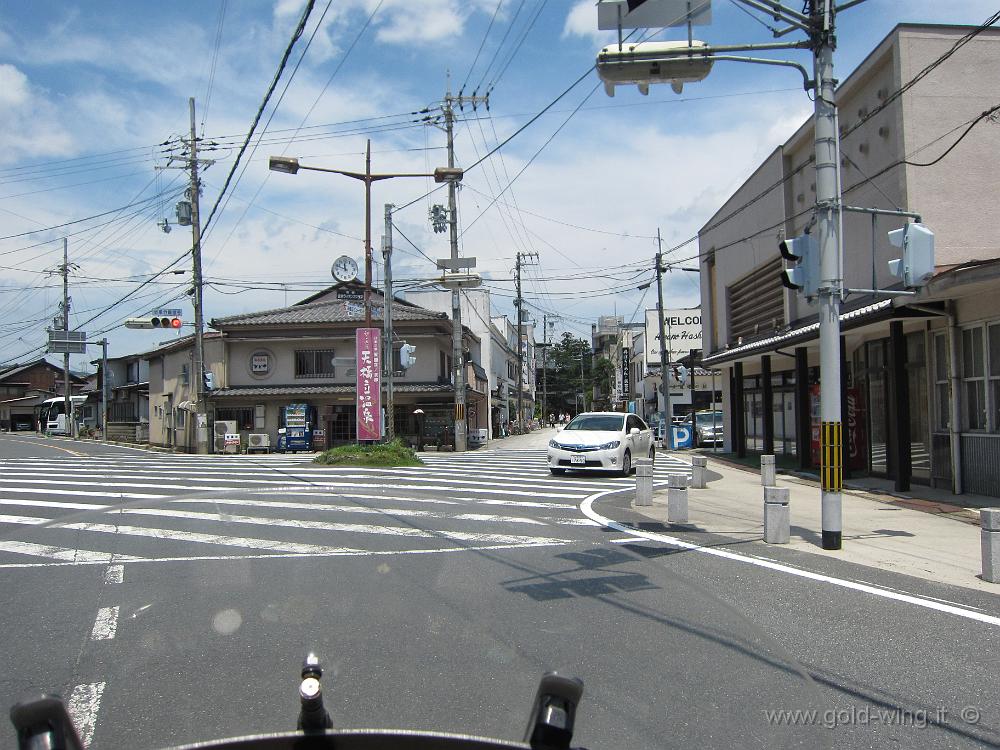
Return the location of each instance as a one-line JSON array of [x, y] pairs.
[[831, 282], [668, 411]]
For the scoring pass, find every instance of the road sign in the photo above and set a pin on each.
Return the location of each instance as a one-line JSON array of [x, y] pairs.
[[456, 264], [652, 14], [67, 342], [682, 437]]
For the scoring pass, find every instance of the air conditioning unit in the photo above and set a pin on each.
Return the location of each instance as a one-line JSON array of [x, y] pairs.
[[259, 441], [222, 428]]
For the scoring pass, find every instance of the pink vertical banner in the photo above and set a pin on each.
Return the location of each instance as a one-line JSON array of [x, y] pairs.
[[369, 386]]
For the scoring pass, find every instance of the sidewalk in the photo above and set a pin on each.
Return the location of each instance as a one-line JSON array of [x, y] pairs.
[[936, 544]]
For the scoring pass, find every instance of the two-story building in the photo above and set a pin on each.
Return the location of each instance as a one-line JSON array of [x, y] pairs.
[[262, 363], [24, 387], [498, 358], [921, 374]]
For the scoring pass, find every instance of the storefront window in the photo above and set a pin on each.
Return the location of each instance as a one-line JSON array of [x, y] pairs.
[[994, 344], [916, 374], [973, 380], [941, 388]]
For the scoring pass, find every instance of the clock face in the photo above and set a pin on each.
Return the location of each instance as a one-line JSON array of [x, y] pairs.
[[345, 269]]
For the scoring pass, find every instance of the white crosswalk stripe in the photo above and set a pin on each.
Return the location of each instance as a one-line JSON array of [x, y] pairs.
[[69, 510]]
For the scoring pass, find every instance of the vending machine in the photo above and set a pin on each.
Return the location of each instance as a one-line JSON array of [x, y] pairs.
[[297, 432]]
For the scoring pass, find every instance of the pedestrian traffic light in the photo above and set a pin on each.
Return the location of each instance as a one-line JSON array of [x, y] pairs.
[[804, 275], [916, 267], [406, 356], [209, 380], [154, 321]]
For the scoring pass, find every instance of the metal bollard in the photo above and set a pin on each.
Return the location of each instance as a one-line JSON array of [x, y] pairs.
[[767, 473], [699, 465], [989, 519], [677, 499], [777, 518], [643, 481]]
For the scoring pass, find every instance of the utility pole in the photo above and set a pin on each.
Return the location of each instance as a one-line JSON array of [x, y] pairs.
[[67, 390], [104, 389], [457, 350], [831, 282], [387, 355], [198, 370], [519, 304], [668, 411]]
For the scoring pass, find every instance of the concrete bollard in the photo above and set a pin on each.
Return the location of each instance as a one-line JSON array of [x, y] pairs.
[[777, 518], [643, 481], [677, 499], [699, 465], [767, 473], [989, 519]]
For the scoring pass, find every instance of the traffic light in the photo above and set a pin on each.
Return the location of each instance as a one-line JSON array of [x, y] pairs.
[[209, 380], [916, 267], [406, 356], [154, 321], [804, 275]]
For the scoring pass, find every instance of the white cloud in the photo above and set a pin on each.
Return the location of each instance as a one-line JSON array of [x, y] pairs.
[[29, 123]]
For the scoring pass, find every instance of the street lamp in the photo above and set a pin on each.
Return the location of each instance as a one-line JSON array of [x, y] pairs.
[[291, 165]]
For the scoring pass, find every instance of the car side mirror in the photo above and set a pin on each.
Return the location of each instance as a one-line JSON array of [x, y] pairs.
[[634, 431]]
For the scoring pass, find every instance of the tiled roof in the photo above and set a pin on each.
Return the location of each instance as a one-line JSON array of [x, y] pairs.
[[321, 390], [328, 311]]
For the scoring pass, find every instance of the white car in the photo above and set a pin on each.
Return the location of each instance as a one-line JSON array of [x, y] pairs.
[[601, 441]]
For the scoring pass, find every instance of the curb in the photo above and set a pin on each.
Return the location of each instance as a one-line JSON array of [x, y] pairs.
[[936, 507]]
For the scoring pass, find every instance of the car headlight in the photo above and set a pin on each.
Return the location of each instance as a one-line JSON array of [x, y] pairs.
[[554, 444], [609, 446]]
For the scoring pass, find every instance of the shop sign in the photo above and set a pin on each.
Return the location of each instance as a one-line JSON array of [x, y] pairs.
[[369, 383]]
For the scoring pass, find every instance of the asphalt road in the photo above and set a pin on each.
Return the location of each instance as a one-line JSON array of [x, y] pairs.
[[436, 597]]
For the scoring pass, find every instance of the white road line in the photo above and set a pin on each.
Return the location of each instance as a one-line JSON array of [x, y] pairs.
[[83, 704], [52, 504], [302, 555], [170, 535], [355, 528], [114, 574], [62, 553], [106, 624], [362, 509], [586, 507]]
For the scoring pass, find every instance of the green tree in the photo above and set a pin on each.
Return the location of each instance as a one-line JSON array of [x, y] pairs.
[[569, 372]]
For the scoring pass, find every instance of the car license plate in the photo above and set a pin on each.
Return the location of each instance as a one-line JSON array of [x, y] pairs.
[[578, 458]]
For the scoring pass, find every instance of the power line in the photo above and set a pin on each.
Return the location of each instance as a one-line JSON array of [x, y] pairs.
[[260, 110]]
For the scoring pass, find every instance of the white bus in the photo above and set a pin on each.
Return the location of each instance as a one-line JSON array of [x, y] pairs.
[[52, 414]]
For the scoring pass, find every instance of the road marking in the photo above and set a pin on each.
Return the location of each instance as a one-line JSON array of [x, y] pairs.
[[83, 704], [361, 509], [106, 624], [586, 507], [298, 555], [355, 528], [114, 574], [62, 553]]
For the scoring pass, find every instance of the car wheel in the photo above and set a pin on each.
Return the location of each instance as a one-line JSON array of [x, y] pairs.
[[627, 463], [557, 471]]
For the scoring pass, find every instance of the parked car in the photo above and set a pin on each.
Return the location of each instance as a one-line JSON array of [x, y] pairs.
[[601, 441], [707, 427], [22, 424]]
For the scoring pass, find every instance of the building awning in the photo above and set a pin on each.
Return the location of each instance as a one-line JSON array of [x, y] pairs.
[[276, 391], [861, 316]]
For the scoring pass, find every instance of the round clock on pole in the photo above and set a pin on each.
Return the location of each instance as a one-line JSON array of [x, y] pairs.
[[345, 268]]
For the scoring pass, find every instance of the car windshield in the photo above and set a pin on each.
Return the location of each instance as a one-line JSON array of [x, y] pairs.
[[709, 419], [597, 422]]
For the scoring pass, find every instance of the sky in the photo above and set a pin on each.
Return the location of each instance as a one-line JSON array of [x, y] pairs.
[[94, 97]]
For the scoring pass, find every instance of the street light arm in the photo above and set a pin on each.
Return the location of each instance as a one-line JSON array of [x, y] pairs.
[[807, 82]]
